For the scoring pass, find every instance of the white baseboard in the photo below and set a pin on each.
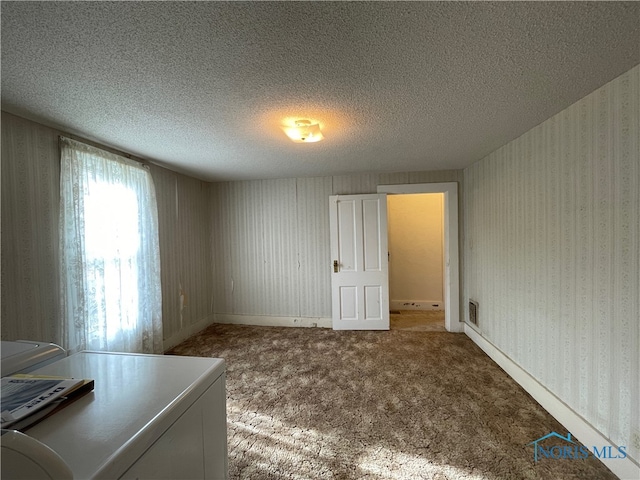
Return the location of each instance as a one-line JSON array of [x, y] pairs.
[[268, 321], [624, 468], [416, 305], [187, 332]]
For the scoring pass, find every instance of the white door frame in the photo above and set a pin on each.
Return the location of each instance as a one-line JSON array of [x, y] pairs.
[[451, 262]]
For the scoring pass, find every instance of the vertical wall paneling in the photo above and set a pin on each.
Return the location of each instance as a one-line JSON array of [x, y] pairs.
[[552, 247], [279, 247], [185, 253], [313, 246], [271, 241], [255, 233], [439, 176], [166, 181], [247, 266], [221, 248], [355, 184], [193, 250], [399, 178], [30, 205]]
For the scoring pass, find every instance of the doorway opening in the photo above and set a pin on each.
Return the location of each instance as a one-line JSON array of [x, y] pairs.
[[416, 261], [450, 243]]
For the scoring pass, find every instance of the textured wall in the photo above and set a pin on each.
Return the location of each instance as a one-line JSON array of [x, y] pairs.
[[271, 240], [255, 245], [552, 247], [185, 250], [30, 199], [30, 205]]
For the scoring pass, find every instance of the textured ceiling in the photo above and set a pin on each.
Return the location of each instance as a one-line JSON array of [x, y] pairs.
[[203, 87]]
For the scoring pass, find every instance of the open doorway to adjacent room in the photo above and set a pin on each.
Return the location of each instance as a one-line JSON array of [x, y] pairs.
[[449, 190], [416, 261]]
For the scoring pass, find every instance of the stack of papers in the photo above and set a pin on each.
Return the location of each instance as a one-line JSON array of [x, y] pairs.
[[26, 398]]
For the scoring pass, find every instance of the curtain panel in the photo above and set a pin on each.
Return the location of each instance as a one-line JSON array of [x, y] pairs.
[[109, 252]]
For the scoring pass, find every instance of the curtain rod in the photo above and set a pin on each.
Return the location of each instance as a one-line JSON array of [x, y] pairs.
[[114, 151]]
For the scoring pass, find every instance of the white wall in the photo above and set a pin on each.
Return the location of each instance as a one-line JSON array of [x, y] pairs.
[[415, 229], [552, 249]]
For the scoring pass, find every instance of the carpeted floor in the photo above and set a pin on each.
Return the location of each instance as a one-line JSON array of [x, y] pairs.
[[417, 320], [312, 403]]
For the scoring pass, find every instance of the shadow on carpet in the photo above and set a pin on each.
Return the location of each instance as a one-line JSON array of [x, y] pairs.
[[311, 403]]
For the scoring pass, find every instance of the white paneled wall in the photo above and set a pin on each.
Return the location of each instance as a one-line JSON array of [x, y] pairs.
[[280, 283], [552, 255], [255, 245], [355, 184], [271, 241], [313, 247], [185, 253], [30, 205]]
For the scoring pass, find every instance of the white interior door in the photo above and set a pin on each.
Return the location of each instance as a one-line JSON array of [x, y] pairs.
[[360, 270]]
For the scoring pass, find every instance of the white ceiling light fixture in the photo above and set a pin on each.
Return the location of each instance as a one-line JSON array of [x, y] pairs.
[[304, 132]]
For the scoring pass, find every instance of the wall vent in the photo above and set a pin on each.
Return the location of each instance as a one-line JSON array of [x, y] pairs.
[[473, 312]]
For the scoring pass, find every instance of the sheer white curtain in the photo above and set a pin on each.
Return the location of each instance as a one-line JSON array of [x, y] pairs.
[[110, 259]]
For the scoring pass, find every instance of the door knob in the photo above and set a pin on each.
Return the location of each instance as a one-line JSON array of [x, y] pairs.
[[335, 266]]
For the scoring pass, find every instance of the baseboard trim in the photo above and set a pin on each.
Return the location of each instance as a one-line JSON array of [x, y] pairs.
[[187, 332], [416, 305], [269, 321], [581, 429]]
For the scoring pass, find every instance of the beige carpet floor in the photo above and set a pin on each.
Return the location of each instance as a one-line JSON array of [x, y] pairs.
[[418, 320], [311, 403]]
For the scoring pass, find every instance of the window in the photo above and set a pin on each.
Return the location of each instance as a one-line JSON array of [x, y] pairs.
[[110, 266]]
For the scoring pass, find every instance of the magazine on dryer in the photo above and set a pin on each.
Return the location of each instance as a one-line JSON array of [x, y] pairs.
[[25, 396]]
